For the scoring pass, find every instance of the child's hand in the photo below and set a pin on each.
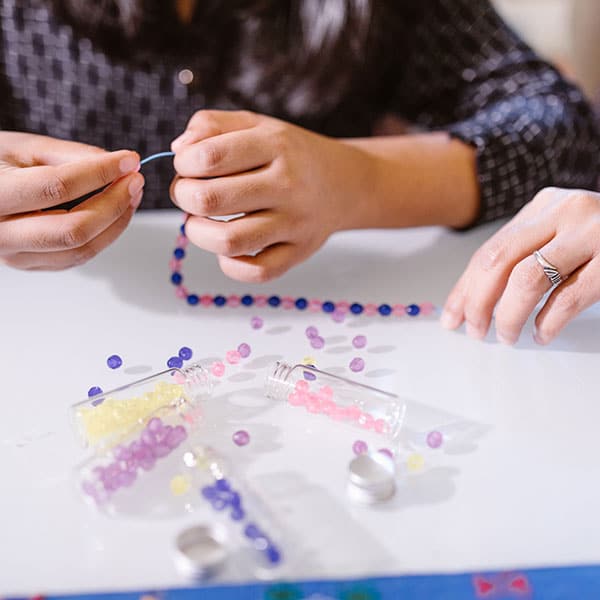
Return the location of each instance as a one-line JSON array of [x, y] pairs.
[[37, 173], [294, 187], [564, 226]]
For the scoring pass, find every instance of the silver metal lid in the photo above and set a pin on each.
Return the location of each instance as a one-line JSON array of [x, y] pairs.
[[371, 478], [201, 550]]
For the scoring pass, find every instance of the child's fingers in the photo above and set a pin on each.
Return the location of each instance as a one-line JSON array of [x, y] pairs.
[[36, 188], [58, 231], [57, 261]]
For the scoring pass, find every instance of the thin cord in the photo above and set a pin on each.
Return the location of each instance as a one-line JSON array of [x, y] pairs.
[[155, 156]]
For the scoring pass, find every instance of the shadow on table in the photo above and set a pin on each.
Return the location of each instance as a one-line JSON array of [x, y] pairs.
[[137, 269]]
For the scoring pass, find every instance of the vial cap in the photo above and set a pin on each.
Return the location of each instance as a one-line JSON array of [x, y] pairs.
[[201, 550]]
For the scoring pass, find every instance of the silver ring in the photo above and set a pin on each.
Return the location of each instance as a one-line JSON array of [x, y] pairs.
[[550, 270]]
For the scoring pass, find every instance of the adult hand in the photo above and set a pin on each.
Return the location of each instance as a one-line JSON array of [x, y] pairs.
[[564, 225], [38, 173], [295, 188]]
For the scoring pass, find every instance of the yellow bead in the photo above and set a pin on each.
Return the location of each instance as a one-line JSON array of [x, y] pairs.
[[415, 462], [179, 485], [309, 360]]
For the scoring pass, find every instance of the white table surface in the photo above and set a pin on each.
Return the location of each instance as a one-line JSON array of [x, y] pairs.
[[523, 491]]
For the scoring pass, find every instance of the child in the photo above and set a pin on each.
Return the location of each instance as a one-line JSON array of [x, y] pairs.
[[313, 78]]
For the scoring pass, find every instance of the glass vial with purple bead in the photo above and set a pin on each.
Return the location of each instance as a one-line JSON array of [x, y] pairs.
[[338, 398], [105, 416]]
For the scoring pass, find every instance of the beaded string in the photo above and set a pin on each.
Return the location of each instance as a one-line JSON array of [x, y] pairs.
[[275, 301]]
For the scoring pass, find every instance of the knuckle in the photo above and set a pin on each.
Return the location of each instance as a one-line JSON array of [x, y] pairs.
[[207, 121], [212, 155], [491, 256], [71, 236], [527, 276], [208, 201], [230, 244], [55, 190], [581, 201]]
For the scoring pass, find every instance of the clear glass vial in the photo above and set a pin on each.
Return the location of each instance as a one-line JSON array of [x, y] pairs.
[[337, 398], [103, 418]]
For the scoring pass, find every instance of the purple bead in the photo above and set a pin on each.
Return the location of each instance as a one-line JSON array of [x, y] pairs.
[[148, 438], [222, 485], [241, 438], [147, 463], [114, 361], [308, 375], [185, 353], [357, 364], [359, 341], [122, 453], [237, 514], [311, 332], [387, 452], [244, 350], [219, 504], [208, 492], [175, 436], [273, 555], [161, 450], [94, 391], [360, 447], [338, 316], [155, 425], [434, 439], [251, 531], [175, 362], [256, 322], [317, 342]]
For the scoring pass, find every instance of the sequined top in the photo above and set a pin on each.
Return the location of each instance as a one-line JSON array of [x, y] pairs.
[[464, 72]]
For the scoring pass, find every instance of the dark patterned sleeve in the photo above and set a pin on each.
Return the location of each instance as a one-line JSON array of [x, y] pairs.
[[467, 73]]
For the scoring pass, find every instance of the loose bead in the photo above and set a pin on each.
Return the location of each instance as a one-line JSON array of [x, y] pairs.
[[387, 452], [412, 310], [179, 485], [220, 300], [192, 299], [415, 462], [179, 253], [247, 300], [244, 350], [114, 361], [357, 364], [217, 368], [256, 322], [241, 437], [317, 342], [176, 278], [338, 316], [359, 341], [301, 386], [94, 391], [311, 332], [301, 303], [175, 362], [434, 439], [360, 447], [309, 375], [185, 353], [233, 357]]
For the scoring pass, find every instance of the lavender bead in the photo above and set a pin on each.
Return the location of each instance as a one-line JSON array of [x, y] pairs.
[[434, 439], [155, 425], [241, 437], [338, 316], [317, 342], [244, 350], [357, 364], [387, 452], [360, 447], [114, 361], [311, 332], [359, 341], [161, 450], [256, 323], [94, 391]]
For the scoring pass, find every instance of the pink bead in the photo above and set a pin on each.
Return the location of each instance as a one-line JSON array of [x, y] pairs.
[[206, 300], [353, 412], [296, 399], [326, 392], [342, 307], [302, 385], [182, 241], [327, 407], [287, 302], [366, 421], [313, 405], [427, 308], [339, 413], [399, 310], [357, 364], [181, 292], [317, 342], [233, 301], [241, 437], [256, 322], [174, 264], [370, 309], [434, 439], [315, 305], [233, 357], [380, 426], [360, 447], [217, 368], [260, 300], [179, 378], [338, 316]]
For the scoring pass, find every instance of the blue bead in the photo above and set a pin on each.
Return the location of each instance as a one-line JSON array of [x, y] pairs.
[[356, 308], [94, 391], [301, 303], [328, 307], [223, 485], [412, 310], [251, 531], [219, 504], [179, 253], [237, 514], [273, 555], [385, 310], [192, 299], [208, 492], [176, 278], [247, 300], [182, 229], [274, 301], [114, 361], [175, 362], [220, 300], [185, 353]]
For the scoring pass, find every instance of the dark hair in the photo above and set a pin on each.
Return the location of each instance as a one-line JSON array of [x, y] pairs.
[[282, 56]]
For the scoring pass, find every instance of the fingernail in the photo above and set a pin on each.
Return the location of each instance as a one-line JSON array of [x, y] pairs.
[[504, 339], [136, 199], [448, 320], [538, 338], [129, 164], [135, 185], [474, 332]]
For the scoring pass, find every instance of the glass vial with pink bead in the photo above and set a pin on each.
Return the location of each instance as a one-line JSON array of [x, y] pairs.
[[337, 398], [105, 416]]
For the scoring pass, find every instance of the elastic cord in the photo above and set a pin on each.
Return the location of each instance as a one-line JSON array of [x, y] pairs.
[[155, 156]]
